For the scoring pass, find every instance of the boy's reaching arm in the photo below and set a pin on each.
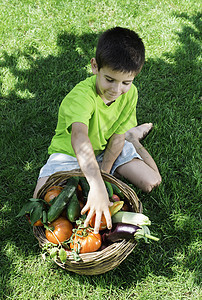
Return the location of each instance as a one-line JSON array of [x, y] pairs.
[[98, 201], [114, 148]]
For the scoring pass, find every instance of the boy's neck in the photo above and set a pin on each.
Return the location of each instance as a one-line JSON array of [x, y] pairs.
[[107, 102]]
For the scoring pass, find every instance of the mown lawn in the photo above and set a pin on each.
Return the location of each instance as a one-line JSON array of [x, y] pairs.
[[46, 48]]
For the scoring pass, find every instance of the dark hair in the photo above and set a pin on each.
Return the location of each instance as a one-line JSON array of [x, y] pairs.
[[121, 49]]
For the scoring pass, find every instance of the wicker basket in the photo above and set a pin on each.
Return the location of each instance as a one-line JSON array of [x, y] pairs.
[[100, 261]]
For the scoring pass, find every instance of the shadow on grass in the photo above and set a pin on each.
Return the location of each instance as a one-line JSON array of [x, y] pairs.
[[29, 115], [169, 93]]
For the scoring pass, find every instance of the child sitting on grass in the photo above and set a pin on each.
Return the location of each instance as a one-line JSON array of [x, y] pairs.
[[96, 127]]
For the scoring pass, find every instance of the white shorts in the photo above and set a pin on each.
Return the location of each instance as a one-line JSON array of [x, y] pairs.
[[63, 162]]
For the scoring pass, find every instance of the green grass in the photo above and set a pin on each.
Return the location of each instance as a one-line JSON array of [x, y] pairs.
[[46, 48]]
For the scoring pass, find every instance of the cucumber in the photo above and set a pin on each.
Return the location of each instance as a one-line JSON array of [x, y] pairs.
[[84, 186], [117, 191], [109, 189], [73, 209], [62, 199]]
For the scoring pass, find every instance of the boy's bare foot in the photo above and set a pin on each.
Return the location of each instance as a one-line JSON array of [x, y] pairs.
[[139, 132]]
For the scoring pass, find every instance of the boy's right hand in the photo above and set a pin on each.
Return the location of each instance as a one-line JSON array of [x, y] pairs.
[[98, 201], [97, 204]]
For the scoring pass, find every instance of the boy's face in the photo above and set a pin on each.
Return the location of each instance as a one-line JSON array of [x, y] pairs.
[[111, 84]]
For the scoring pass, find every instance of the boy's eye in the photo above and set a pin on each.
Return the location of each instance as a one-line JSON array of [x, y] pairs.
[[109, 80], [112, 80]]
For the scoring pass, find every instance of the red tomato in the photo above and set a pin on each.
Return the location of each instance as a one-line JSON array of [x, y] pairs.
[[37, 223], [115, 197], [62, 230], [90, 242], [103, 224], [52, 192]]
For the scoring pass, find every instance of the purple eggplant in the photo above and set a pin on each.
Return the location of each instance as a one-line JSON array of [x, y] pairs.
[[120, 231], [123, 231]]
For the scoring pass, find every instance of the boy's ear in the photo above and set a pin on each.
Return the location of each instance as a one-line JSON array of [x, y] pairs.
[[94, 66]]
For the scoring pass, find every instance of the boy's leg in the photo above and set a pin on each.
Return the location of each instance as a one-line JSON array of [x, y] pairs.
[[142, 173], [41, 181], [138, 132]]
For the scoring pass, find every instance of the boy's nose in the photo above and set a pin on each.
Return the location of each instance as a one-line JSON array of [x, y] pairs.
[[116, 88]]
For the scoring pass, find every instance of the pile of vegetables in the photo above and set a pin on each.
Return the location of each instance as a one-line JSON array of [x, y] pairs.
[[60, 215]]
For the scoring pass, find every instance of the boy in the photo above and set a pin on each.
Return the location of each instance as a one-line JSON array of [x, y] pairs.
[[96, 122]]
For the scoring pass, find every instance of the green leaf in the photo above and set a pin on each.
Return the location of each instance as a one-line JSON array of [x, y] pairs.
[[35, 200], [27, 208], [36, 213], [62, 255], [53, 253], [75, 255]]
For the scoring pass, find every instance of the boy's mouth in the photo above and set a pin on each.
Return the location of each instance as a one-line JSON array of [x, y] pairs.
[[113, 95]]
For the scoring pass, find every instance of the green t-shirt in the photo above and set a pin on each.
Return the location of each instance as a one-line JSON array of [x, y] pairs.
[[84, 105]]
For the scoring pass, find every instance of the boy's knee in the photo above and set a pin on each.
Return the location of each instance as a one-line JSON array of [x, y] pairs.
[[150, 185]]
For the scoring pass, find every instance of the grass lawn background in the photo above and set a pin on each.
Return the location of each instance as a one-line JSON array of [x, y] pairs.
[[46, 48]]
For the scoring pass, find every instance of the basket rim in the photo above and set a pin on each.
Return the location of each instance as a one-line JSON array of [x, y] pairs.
[[128, 192]]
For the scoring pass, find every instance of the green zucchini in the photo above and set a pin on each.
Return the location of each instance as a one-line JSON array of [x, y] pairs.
[[73, 209], [117, 191], [84, 186], [130, 218], [62, 199], [109, 189]]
